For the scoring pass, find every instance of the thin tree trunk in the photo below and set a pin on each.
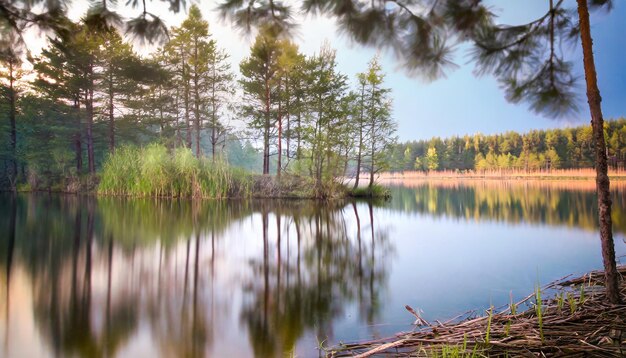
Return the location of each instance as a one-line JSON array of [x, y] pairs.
[[213, 115], [12, 114], [299, 120], [185, 97], [91, 160], [602, 178], [372, 168], [111, 116], [346, 159], [359, 154], [266, 138], [196, 86], [77, 137], [280, 136], [288, 105], [179, 139], [161, 117]]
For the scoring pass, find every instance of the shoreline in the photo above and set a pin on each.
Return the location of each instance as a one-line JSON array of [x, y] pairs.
[[575, 320], [256, 186], [556, 174]]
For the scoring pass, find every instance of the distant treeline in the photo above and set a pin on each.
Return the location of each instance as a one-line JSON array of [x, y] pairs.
[[536, 150]]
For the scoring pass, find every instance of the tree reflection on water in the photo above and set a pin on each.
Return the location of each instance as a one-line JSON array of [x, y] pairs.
[[182, 278], [87, 276]]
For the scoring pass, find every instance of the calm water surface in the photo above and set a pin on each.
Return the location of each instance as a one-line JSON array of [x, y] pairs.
[[113, 277]]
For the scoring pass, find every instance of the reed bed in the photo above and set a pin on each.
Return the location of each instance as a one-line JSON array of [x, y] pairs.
[[577, 321], [155, 171], [506, 184]]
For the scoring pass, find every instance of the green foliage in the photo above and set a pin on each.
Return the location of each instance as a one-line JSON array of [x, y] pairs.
[[375, 191], [374, 127], [93, 95], [419, 164], [512, 305], [120, 172], [449, 351], [567, 148], [432, 159], [573, 303], [155, 171], [560, 301]]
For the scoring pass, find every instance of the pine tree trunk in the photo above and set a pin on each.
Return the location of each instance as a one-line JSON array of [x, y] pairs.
[[111, 116], [372, 169], [602, 178], [196, 85], [213, 142], [12, 114], [359, 154], [213, 115], [185, 97], [161, 117], [358, 159], [266, 137], [197, 125], [288, 134], [78, 146], [280, 138], [176, 106], [299, 132], [91, 160]]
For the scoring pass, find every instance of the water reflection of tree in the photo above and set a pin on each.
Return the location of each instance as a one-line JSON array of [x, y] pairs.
[[512, 203], [148, 220], [332, 267], [9, 263], [183, 311], [67, 316], [62, 239], [99, 267]]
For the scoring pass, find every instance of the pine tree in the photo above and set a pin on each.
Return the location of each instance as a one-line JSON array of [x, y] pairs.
[[12, 73], [118, 64], [260, 72]]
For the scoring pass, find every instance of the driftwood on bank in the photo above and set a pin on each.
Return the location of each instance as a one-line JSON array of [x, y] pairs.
[[576, 321]]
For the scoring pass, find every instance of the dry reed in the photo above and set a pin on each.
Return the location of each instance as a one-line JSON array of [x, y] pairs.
[[593, 327]]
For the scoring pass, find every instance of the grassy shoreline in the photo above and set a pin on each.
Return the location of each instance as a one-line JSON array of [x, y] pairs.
[[261, 187], [576, 320], [156, 171]]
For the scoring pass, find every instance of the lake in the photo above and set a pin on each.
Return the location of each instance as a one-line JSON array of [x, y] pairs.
[[84, 276]]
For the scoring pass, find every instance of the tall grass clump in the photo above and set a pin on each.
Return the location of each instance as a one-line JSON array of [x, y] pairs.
[[184, 168], [120, 172], [215, 179], [156, 171]]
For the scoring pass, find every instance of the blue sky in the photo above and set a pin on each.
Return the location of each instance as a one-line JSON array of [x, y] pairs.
[[461, 103], [465, 104]]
